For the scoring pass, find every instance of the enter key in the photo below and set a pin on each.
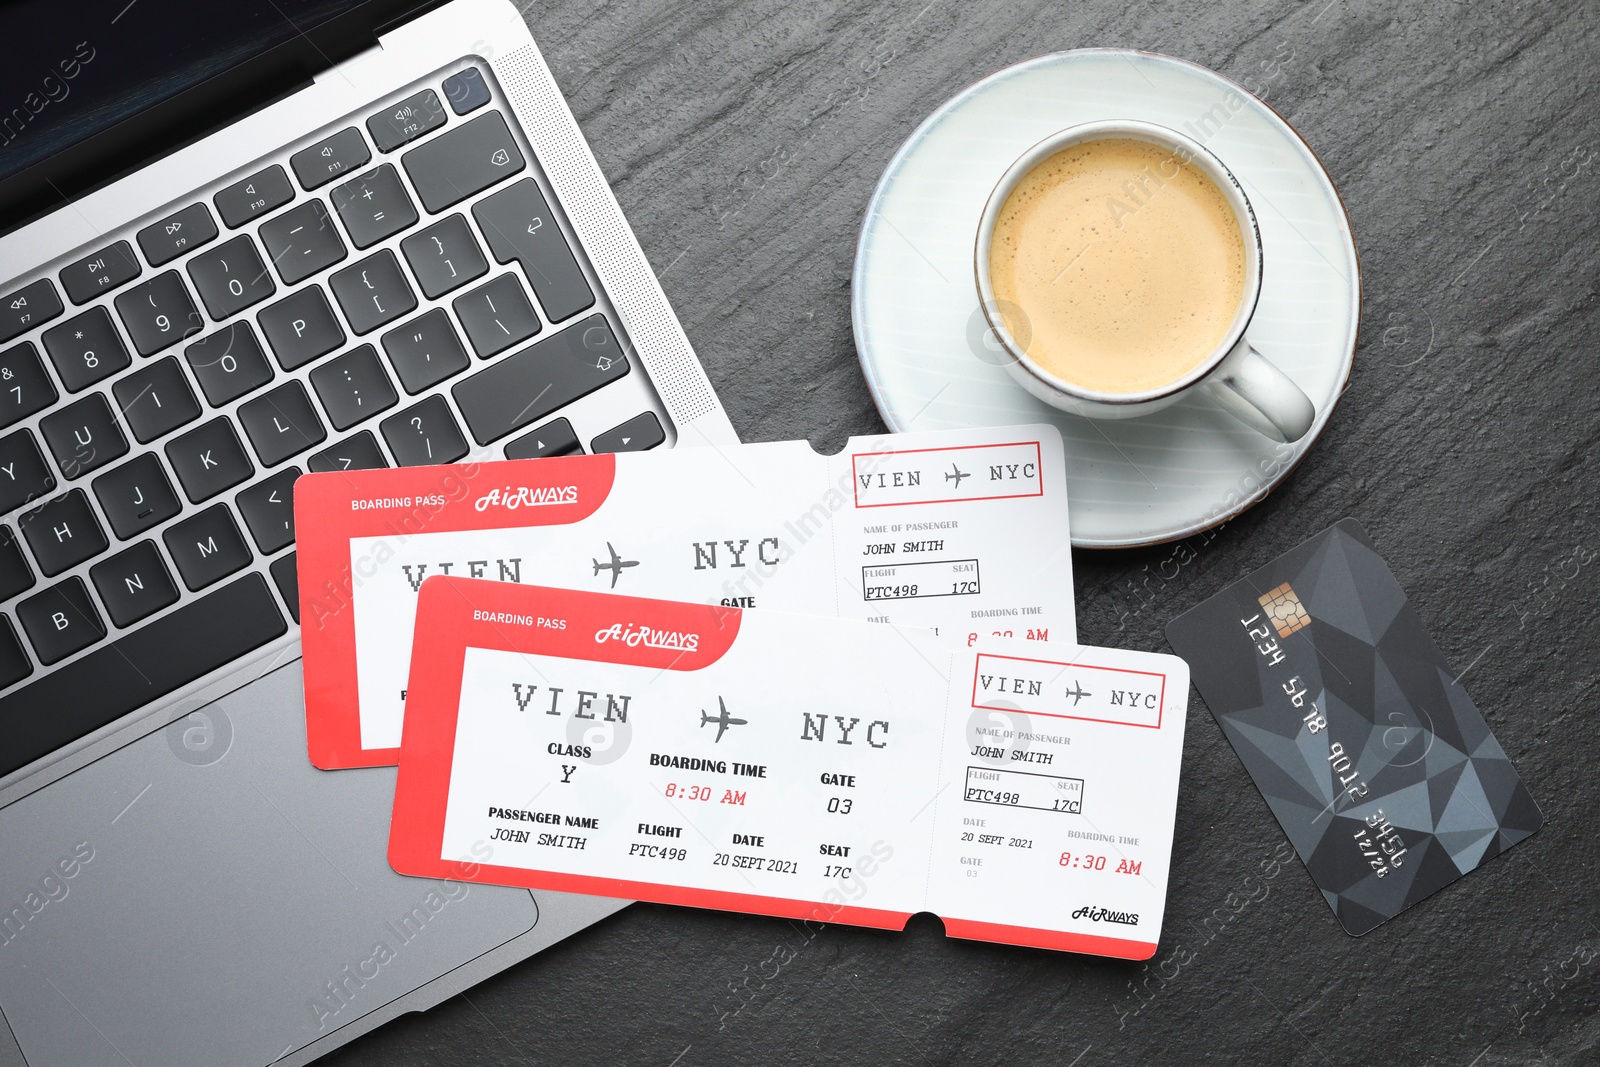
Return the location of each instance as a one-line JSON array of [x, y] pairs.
[[519, 225]]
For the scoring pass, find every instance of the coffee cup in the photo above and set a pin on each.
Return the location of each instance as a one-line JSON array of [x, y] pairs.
[[1119, 263]]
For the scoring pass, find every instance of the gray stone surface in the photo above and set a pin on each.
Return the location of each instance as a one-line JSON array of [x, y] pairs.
[[743, 141]]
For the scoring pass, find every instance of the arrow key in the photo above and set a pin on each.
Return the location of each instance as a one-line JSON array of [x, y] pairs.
[[636, 435], [554, 438], [268, 510]]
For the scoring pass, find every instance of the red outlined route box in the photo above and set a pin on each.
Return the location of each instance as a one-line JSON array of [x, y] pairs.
[[1062, 690]]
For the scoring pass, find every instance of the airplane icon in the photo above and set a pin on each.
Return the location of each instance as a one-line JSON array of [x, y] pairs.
[[955, 475], [616, 565], [1077, 693], [723, 721]]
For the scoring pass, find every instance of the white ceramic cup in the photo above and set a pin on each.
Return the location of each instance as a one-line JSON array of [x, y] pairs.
[[1234, 374]]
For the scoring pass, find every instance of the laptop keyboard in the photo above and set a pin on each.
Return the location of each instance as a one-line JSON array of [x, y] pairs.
[[391, 293]]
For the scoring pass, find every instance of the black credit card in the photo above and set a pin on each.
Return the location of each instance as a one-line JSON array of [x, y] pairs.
[[1373, 758]]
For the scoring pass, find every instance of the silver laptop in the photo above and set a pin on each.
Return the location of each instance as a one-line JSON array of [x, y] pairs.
[[263, 238]]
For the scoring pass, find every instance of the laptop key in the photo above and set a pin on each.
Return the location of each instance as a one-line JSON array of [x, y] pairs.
[[208, 460], [28, 307], [357, 453], [142, 665], [301, 327], [134, 584], [85, 349], [83, 436], [353, 387], [373, 292], [554, 438], [425, 351], [136, 496], [638, 434], [206, 547], [496, 315], [254, 196], [373, 206], [61, 620], [228, 364], [444, 256], [15, 574], [469, 158], [25, 387], [231, 277], [518, 224], [287, 579], [525, 387], [155, 399], [180, 232], [63, 533], [424, 433], [158, 313], [466, 90], [329, 158], [406, 120], [100, 272], [281, 423], [268, 510], [302, 241], [14, 663], [24, 475]]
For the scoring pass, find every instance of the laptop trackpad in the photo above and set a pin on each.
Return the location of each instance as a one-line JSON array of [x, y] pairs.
[[210, 898]]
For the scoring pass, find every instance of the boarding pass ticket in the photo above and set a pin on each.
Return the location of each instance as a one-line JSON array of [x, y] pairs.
[[790, 765], [962, 530]]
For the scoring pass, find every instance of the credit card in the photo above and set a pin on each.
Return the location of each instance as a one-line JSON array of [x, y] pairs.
[[1356, 731], [790, 765], [964, 531]]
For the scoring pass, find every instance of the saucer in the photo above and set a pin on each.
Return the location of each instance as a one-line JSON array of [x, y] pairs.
[[932, 363]]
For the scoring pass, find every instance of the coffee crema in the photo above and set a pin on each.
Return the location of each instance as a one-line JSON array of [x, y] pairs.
[[1117, 266]]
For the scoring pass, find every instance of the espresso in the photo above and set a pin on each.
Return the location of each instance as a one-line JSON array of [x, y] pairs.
[[1117, 266]]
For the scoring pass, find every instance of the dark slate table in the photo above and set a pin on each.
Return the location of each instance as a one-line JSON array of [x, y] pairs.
[[743, 140]]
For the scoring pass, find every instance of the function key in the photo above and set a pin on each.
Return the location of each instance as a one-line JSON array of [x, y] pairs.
[[466, 90], [554, 438], [638, 434], [454, 165], [100, 272], [61, 620], [85, 349], [24, 386], [253, 197], [329, 158], [358, 453], [176, 234], [28, 307], [406, 121]]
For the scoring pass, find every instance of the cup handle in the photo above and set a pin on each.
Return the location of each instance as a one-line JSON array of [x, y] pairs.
[[1260, 395]]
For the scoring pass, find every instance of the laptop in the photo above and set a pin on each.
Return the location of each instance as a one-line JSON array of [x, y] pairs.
[[243, 241]]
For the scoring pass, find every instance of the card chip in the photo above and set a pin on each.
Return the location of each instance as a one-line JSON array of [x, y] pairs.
[[1283, 607]]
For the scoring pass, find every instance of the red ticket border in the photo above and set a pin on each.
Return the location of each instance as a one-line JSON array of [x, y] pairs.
[[445, 609], [446, 499], [1161, 701], [855, 483]]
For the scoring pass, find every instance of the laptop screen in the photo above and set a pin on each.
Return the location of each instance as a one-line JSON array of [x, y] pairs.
[[72, 71]]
